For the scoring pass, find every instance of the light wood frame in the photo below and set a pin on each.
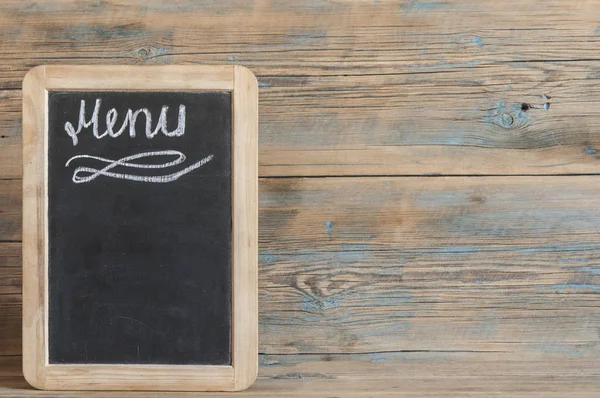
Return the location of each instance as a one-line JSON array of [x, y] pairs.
[[244, 338]]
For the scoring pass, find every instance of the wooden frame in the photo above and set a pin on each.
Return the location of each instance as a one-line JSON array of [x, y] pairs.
[[244, 367]]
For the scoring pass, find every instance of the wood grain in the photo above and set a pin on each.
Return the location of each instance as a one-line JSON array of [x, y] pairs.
[[123, 77], [11, 199], [380, 264], [245, 228], [318, 37], [389, 375], [450, 287], [11, 164], [411, 87], [35, 236]]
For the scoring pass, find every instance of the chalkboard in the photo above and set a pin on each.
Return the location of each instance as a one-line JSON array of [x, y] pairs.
[[143, 208], [148, 280]]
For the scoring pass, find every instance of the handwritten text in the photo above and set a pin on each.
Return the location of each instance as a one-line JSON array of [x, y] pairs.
[[129, 121]]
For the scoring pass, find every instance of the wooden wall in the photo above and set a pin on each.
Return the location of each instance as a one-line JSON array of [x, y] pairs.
[[429, 198]]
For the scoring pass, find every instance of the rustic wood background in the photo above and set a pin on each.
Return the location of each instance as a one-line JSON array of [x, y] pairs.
[[429, 204]]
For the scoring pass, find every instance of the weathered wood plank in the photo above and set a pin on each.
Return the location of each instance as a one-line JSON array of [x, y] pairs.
[[10, 323], [491, 264], [314, 37], [397, 125], [10, 268], [354, 88], [10, 210], [355, 265], [385, 374], [10, 299], [11, 158]]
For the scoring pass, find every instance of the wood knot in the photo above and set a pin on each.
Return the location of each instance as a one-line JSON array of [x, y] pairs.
[[148, 52], [478, 199], [507, 120], [142, 52], [511, 116]]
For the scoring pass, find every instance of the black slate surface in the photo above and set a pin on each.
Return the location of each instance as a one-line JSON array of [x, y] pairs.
[[140, 272]]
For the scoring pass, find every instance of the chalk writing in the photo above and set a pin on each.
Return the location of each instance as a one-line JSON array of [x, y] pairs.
[[129, 121], [84, 174]]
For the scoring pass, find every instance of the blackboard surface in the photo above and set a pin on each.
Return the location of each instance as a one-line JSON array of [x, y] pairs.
[[139, 256]]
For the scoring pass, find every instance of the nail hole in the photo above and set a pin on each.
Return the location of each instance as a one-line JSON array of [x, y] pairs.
[[525, 107]]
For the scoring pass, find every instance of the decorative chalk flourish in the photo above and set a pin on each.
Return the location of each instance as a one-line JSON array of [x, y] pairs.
[[86, 174]]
